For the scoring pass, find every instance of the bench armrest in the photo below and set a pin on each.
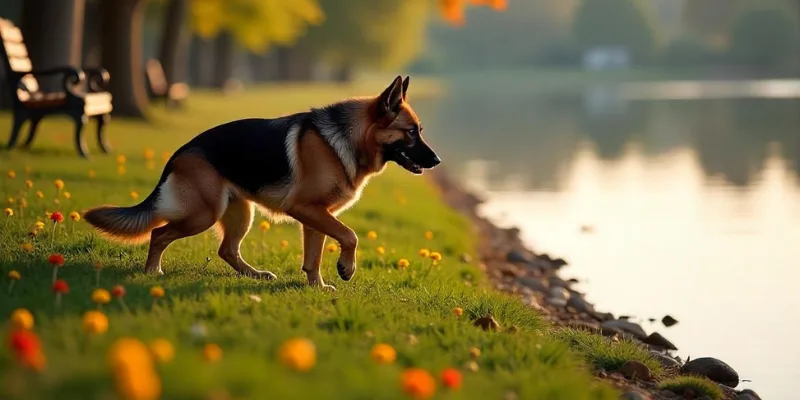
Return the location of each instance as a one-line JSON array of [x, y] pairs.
[[97, 79], [72, 77]]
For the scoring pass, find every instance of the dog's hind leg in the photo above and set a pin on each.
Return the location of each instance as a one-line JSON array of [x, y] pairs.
[[313, 242], [321, 220], [161, 238], [235, 224]]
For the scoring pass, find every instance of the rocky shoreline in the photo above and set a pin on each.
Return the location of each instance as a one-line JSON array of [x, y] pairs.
[[534, 277]]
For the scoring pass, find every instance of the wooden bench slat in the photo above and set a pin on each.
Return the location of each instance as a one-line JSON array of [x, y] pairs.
[[11, 34], [17, 50], [20, 64]]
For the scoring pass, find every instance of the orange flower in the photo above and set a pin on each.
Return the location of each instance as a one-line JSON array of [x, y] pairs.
[[264, 226], [134, 372], [162, 350], [212, 352], [372, 235], [67, 195], [59, 184], [402, 263], [383, 353], [57, 217], [75, 216], [284, 243], [39, 194], [9, 212], [14, 275], [380, 250], [451, 378], [474, 352], [149, 154], [101, 296], [28, 183], [436, 256], [92, 174], [56, 259], [298, 353], [121, 159], [95, 322], [118, 291], [453, 11], [332, 248], [22, 319], [418, 383], [157, 292], [134, 195], [26, 247], [428, 235], [424, 253], [12, 174], [458, 311]]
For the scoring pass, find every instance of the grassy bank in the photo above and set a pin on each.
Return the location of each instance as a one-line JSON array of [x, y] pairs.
[[410, 309]]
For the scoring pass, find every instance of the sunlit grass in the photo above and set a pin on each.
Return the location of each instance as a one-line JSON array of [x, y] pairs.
[[694, 386], [409, 308]]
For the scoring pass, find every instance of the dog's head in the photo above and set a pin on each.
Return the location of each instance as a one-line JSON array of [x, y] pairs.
[[398, 132]]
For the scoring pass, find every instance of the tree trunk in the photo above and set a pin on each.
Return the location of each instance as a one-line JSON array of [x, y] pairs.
[[53, 31], [201, 60], [122, 54], [91, 35], [294, 64], [260, 67], [224, 53], [174, 38]]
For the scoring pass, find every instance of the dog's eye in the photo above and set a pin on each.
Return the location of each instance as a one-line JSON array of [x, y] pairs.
[[413, 131]]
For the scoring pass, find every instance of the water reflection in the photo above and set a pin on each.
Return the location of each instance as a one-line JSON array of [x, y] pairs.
[[695, 204]]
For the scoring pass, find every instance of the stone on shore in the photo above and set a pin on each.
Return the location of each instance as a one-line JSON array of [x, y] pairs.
[[655, 339], [634, 395], [516, 256], [635, 370], [668, 321], [665, 360], [626, 326], [712, 368], [748, 394]]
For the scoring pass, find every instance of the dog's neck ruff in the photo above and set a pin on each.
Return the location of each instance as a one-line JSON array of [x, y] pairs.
[[338, 124]]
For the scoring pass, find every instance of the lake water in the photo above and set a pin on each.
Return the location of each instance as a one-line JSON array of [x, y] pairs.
[[691, 199]]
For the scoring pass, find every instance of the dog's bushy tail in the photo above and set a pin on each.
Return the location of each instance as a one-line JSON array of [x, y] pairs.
[[125, 224]]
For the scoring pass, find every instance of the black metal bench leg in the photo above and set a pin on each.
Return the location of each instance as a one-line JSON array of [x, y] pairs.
[[15, 128], [80, 144], [32, 132], [105, 147]]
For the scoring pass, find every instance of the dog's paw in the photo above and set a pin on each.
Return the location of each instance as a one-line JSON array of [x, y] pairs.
[[346, 273], [257, 274], [326, 287]]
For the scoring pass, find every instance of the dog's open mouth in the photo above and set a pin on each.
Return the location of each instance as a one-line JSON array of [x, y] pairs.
[[406, 162]]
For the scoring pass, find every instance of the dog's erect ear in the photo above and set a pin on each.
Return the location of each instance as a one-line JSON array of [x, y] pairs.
[[405, 87], [389, 101]]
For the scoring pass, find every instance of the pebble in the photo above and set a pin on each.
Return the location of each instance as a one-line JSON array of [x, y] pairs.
[[748, 394], [577, 302], [559, 293], [655, 339], [713, 369], [556, 302], [634, 395], [668, 321], [665, 360], [516, 256], [635, 370], [626, 326], [533, 283]]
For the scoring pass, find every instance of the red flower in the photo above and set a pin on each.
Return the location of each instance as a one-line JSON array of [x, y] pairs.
[[24, 342], [60, 287], [56, 259], [57, 217], [451, 378], [118, 291]]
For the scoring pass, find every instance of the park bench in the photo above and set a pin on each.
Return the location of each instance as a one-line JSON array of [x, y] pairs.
[[83, 93], [159, 89]]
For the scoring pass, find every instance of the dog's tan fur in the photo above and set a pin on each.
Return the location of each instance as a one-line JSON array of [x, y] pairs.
[[195, 197]]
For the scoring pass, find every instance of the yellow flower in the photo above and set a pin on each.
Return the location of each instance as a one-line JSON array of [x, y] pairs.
[[22, 319], [39, 225], [372, 235], [162, 350], [67, 195], [59, 184], [332, 247], [134, 195], [474, 352], [380, 250], [95, 322], [383, 353], [436, 256], [9, 212], [26, 247], [11, 200], [424, 253], [121, 170], [92, 174], [39, 194], [121, 159], [402, 263], [284, 243], [12, 174], [14, 275], [75, 216], [212, 352], [428, 235], [101, 296], [149, 154], [458, 311], [299, 354], [28, 183], [157, 291], [264, 226]]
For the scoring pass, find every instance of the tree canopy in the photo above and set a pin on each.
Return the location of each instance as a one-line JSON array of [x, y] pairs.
[[616, 22]]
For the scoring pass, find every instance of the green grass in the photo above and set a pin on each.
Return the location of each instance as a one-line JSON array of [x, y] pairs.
[[695, 386], [381, 303], [602, 353]]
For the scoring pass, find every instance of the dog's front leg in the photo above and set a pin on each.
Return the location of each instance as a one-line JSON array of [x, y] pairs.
[[321, 220], [313, 242]]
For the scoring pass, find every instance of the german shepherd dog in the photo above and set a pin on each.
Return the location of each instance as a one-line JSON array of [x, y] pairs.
[[307, 167]]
